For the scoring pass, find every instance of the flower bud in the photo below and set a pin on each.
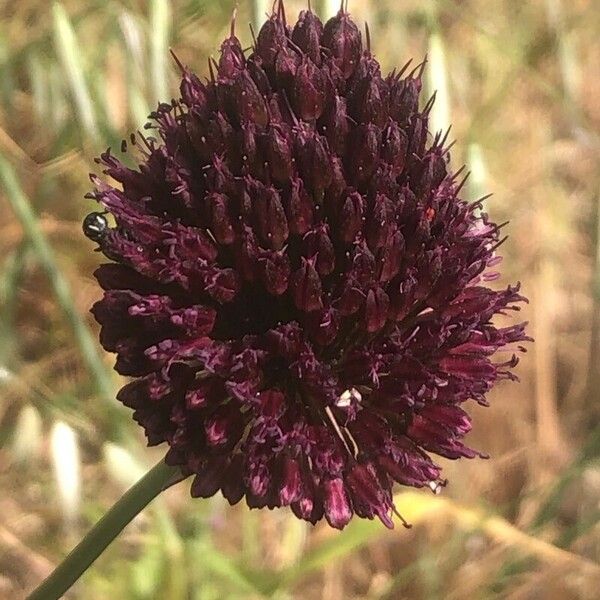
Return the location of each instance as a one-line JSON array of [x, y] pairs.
[[298, 207], [404, 98], [274, 269], [193, 92], [343, 39], [336, 125], [270, 217], [417, 135], [429, 173], [381, 222], [376, 309], [271, 38], [324, 325], [209, 476], [250, 102], [389, 257], [369, 101], [256, 71], [307, 35], [222, 227], [318, 243], [394, 145], [305, 286], [351, 216], [309, 91], [232, 58], [365, 145], [286, 67], [278, 153], [314, 160]]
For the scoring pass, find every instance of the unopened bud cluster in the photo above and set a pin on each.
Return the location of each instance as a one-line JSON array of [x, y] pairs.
[[297, 289]]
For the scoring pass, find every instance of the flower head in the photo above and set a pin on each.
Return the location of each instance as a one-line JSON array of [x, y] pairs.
[[297, 288]]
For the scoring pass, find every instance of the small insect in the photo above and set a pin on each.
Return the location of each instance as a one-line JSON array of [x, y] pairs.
[[95, 226]]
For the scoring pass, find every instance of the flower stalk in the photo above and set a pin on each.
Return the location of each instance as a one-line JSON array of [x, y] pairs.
[[158, 479]]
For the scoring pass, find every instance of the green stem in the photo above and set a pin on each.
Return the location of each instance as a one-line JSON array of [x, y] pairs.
[[159, 478]]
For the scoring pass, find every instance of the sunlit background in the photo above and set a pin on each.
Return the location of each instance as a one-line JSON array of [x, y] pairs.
[[520, 82]]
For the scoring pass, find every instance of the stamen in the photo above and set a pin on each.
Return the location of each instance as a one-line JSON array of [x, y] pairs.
[[405, 523], [348, 396], [352, 440], [337, 428], [436, 486]]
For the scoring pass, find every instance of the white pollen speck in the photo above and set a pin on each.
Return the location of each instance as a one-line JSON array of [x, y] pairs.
[[348, 397], [435, 487]]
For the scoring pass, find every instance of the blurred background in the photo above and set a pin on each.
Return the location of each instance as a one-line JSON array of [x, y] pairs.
[[520, 83]]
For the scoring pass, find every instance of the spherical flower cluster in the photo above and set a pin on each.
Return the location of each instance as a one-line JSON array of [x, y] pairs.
[[297, 288]]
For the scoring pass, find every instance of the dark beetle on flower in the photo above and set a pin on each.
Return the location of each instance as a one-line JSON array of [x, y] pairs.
[[95, 225], [298, 290]]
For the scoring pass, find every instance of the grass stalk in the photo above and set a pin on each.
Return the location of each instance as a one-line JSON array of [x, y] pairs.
[[69, 53], [47, 260], [327, 8], [9, 286], [159, 34], [437, 78], [260, 10], [134, 64]]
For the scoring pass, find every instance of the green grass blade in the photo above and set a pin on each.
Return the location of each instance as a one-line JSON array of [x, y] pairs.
[[260, 10], [12, 270], [328, 8], [437, 80], [223, 566], [550, 507], [69, 54], [134, 61], [56, 97], [477, 182], [38, 81], [356, 535], [160, 31], [45, 256]]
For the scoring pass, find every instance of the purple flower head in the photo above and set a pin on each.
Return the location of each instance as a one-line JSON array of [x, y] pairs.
[[296, 287]]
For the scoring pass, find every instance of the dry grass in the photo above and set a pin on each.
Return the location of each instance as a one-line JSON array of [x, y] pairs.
[[522, 91]]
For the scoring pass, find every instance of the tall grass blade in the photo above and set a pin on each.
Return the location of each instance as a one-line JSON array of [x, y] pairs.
[[568, 62], [159, 34], [45, 256], [69, 53], [135, 65], [12, 270], [478, 178], [328, 8], [437, 80], [416, 508], [38, 81], [260, 10], [57, 97]]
